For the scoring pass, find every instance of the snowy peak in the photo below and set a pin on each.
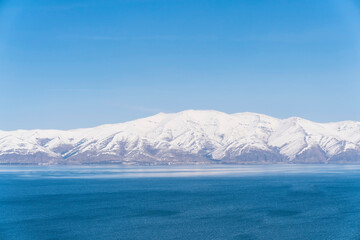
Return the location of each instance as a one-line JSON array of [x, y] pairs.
[[189, 137]]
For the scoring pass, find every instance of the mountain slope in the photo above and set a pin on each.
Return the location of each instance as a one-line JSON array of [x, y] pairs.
[[189, 137]]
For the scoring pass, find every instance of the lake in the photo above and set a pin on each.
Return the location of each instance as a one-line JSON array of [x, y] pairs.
[[180, 202]]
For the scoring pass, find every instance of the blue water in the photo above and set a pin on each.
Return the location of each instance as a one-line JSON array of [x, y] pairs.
[[243, 202]]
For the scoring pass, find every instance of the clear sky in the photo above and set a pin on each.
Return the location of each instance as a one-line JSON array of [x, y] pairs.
[[68, 64]]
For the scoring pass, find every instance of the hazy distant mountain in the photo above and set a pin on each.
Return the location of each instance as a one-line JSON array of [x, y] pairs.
[[189, 137]]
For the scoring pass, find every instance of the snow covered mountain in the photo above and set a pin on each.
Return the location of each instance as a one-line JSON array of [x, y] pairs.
[[189, 137]]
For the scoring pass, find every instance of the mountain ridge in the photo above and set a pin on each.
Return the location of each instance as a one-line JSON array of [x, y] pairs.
[[189, 137]]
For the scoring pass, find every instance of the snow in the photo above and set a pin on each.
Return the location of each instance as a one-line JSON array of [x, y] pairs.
[[191, 131]]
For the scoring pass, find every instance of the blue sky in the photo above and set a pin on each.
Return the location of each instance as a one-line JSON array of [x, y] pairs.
[[69, 64]]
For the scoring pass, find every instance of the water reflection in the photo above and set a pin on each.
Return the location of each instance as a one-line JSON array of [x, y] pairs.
[[117, 171]]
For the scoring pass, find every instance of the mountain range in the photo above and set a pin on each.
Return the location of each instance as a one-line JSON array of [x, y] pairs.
[[188, 137]]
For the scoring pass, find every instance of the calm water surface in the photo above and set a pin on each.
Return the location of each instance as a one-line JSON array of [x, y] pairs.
[[227, 202]]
